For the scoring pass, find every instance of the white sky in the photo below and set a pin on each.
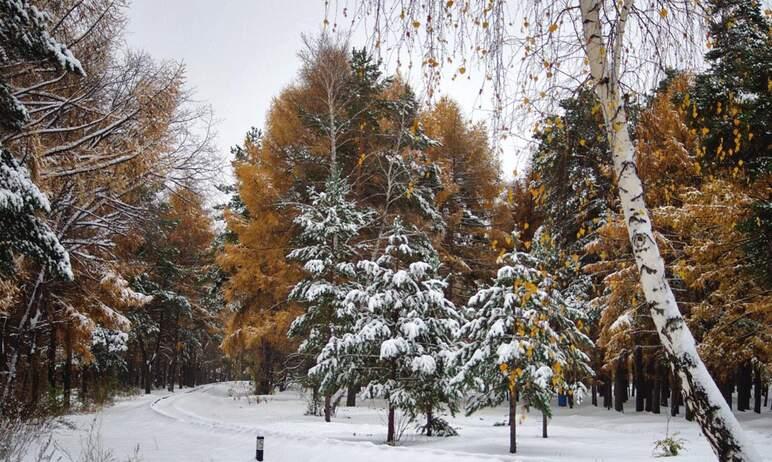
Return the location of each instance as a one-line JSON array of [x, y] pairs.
[[239, 54]]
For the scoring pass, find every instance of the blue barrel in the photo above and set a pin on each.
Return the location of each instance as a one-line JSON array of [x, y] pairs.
[[562, 400]]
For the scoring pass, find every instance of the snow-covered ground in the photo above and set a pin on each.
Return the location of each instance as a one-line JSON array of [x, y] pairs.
[[219, 422]]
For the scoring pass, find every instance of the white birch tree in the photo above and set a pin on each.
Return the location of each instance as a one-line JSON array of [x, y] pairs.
[[616, 48]]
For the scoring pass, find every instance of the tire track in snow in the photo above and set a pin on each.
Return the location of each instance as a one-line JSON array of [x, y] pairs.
[[161, 407]]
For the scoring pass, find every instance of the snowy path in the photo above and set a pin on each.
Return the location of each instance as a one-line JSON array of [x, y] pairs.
[[208, 424]]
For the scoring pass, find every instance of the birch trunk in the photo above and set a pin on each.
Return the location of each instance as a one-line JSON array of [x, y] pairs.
[[718, 424]]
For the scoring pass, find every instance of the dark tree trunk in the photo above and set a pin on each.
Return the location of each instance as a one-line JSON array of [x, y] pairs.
[[619, 385], [52, 356], [84, 385], [689, 415], [429, 419], [594, 392], [327, 408], [512, 422], [392, 429], [175, 353], [745, 384], [351, 395], [675, 395], [727, 388], [67, 373], [607, 392], [543, 425], [146, 370], [656, 393], [664, 384], [648, 385], [757, 391], [638, 378], [36, 372]]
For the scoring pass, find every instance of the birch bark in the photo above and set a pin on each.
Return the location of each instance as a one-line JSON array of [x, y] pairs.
[[718, 424]]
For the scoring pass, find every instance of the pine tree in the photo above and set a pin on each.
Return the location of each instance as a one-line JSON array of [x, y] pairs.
[[328, 229], [521, 336], [401, 341]]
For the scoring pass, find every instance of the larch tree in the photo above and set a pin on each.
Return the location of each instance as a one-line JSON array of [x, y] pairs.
[[257, 275], [470, 186], [24, 37], [95, 144], [612, 45]]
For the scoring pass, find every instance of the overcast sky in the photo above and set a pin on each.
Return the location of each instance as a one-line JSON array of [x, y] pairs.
[[239, 54]]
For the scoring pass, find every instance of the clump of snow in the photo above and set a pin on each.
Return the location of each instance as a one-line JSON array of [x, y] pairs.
[[120, 288], [393, 348], [424, 364]]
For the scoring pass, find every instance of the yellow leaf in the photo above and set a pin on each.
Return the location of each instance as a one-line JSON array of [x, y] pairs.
[[582, 142], [416, 24], [553, 27], [663, 12]]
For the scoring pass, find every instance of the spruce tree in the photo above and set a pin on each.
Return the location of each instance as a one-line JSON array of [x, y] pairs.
[[731, 108], [328, 228], [404, 332], [521, 338]]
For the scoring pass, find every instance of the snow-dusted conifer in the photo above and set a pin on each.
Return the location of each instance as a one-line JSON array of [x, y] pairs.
[[21, 229], [24, 37], [328, 227], [405, 328], [521, 336]]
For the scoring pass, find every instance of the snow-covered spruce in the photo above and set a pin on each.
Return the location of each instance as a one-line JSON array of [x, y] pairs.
[[328, 227], [403, 335], [520, 339], [20, 227]]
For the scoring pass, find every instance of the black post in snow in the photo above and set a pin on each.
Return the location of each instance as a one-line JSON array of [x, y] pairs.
[[259, 450]]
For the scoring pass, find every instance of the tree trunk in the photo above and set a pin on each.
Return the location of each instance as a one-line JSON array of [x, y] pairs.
[[639, 379], [67, 373], [52, 355], [727, 388], [543, 424], [675, 396], [351, 395], [327, 408], [392, 429], [656, 393], [718, 424], [757, 391], [648, 385], [84, 385], [745, 383], [607, 392], [619, 385], [594, 391], [429, 418], [512, 422]]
